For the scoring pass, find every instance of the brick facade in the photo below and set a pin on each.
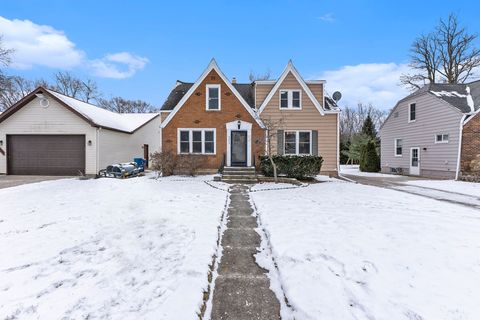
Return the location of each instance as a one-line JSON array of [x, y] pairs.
[[470, 156], [193, 114]]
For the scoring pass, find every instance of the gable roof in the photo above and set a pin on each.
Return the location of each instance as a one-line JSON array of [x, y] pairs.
[[184, 97], [246, 90], [290, 68], [95, 116], [455, 95]]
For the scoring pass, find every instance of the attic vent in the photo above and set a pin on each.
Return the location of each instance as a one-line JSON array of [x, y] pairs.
[[213, 78], [395, 115]]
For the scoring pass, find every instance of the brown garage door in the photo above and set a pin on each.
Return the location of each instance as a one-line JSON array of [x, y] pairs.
[[46, 154]]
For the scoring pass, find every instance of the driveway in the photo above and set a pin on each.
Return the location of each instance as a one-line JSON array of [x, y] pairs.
[[401, 183], [7, 181]]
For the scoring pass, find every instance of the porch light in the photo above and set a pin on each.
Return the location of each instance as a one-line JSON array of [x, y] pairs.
[[1, 143], [89, 142], [239, 124]]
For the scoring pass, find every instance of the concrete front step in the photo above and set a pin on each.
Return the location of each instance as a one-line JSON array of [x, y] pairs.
[[239, 181], [239, 176]]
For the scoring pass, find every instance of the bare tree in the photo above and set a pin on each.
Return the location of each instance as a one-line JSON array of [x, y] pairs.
[[446, 55], [425, 59], [72, 86], [458, 55], [271, 128], [5, 54], [352, 119], [121, 105], [259, 76], [12, 89]]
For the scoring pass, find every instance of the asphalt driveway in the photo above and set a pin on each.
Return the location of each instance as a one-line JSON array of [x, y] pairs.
[[7, 181]]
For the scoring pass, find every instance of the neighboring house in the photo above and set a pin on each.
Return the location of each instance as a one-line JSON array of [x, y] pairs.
[[222, 120], [47, 133], [470, 156], [423, 133]]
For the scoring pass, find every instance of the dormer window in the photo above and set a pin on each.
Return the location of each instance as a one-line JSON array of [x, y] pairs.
[[412, 112], [213, 97], [290, 99]]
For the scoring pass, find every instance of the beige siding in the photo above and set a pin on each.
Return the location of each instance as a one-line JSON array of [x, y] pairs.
[[56, 119], [317, 90], [261, 92], [308, 118], [433, 116], [118, 147]]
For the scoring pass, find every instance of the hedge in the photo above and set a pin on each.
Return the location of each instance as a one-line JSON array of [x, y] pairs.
[[299, 167]]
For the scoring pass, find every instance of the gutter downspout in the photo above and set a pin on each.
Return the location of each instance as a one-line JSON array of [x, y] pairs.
[[459, 155]]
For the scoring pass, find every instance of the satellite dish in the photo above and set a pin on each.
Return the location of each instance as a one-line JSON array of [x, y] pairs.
[[44, 102], [337, 96]]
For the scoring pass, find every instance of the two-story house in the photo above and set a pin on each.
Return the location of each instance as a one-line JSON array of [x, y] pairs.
[[423, 134], [223, 120]]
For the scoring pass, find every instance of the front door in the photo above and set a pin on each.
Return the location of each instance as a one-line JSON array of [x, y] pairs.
[[239, 149], [145, 154], [415, 161]]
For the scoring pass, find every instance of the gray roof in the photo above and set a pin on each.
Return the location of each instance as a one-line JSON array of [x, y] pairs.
[[177, 93], [453, 94]]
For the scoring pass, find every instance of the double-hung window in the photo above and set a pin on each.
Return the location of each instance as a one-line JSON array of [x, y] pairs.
[[298, 142], [290, 99], [412, 112], [441, 138], [196, 141], [213, 97], [398, 147]]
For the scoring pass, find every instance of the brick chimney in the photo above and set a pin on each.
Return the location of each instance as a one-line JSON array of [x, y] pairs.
[[234, 80]]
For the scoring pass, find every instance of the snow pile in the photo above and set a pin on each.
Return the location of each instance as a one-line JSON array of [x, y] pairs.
[[121, 121], [107, 248], [350, 251]]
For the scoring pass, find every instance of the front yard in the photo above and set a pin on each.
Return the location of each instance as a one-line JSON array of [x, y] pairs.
[[106, 248], [350, 251]]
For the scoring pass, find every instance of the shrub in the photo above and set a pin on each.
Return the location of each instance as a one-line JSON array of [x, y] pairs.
[[189, 163], [163, 162], [369, 161], [299, 167]]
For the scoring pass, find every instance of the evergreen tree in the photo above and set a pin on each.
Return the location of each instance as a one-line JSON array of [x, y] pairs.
[[368, 128], [369, 161]]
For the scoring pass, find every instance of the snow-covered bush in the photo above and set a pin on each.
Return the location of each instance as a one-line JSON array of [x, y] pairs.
[[299, 167]]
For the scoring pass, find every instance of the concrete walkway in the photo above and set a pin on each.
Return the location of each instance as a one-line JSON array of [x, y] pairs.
[[399, 183], [242, 287]]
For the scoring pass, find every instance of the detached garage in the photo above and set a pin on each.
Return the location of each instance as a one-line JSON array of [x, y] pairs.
[[47, 133]]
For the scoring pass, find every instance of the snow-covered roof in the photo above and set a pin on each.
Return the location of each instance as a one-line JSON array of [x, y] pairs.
[[127, 122]]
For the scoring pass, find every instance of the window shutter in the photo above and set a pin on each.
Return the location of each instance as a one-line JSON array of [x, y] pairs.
[[315, 142], [280, 142]]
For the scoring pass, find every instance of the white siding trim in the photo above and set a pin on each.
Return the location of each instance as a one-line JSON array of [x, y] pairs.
[[212, 66], [207, 97], [288, 69]]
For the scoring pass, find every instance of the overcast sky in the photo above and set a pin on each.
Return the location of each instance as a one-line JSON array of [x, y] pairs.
[[138, 49]]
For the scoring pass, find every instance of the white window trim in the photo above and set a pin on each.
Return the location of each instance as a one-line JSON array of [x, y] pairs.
[[395, 148], [297, 145], [190, 140], [442, 141], [207, 97], [289, 99], [410, 113]]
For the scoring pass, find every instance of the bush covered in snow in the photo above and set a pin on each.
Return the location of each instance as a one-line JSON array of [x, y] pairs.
[[298, 167]]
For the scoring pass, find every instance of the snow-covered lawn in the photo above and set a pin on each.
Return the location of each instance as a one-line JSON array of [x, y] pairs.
[[354, 170], [351, 251], [107, 249], [463, 187]]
